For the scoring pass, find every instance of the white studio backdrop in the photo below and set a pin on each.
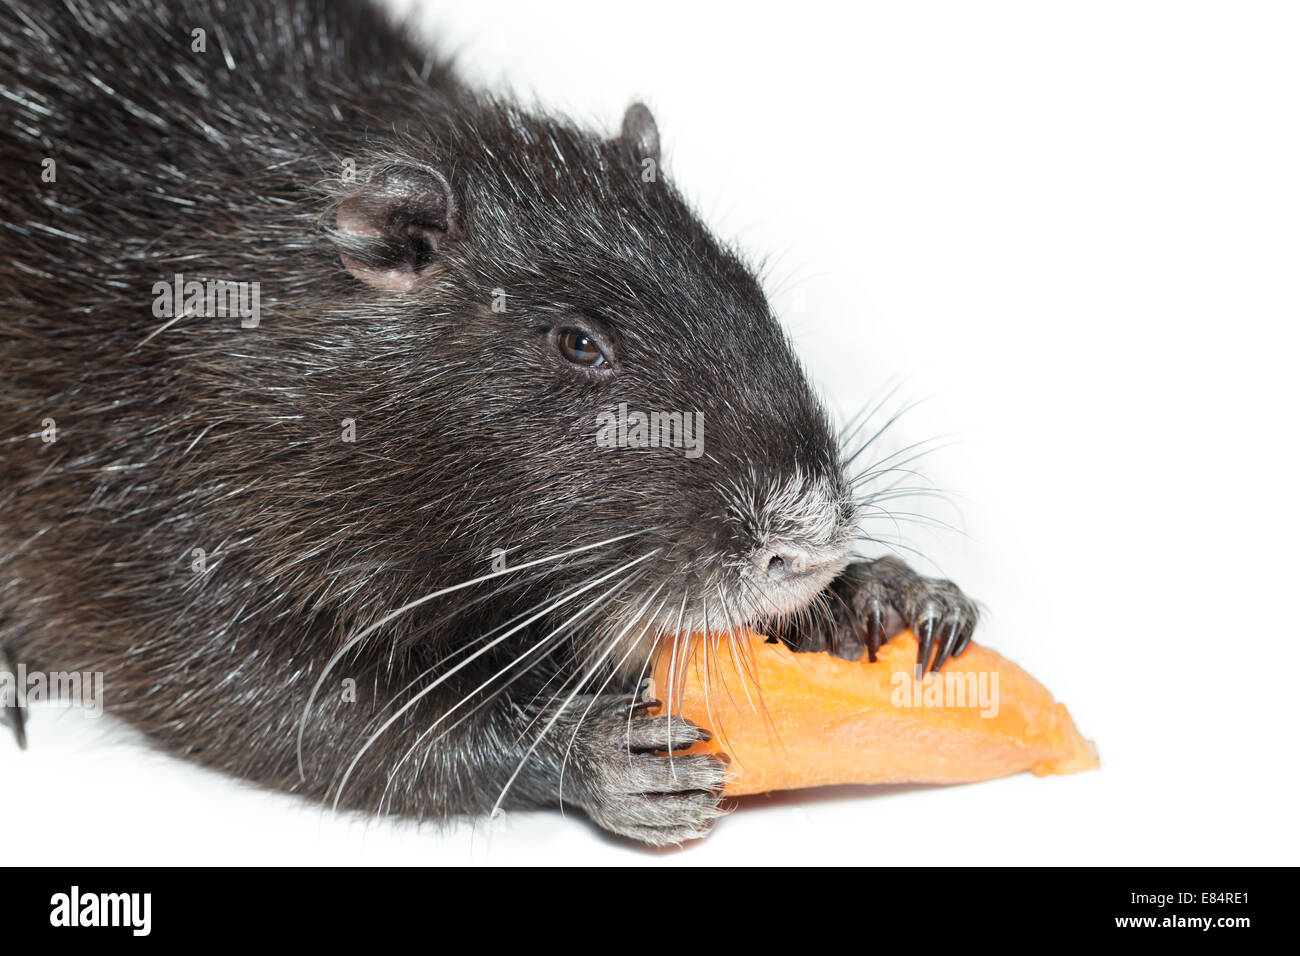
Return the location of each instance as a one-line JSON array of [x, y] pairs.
[[1072, 230]]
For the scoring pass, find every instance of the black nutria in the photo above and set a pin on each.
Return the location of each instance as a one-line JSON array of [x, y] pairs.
[[306, 350]]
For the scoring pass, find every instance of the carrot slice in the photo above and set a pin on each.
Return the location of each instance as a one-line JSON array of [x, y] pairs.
[[791, 720]]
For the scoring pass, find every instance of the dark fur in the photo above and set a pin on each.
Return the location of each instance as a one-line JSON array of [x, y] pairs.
[[471, 436]]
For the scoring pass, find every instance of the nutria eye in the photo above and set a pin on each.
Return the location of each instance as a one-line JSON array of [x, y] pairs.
[[580, 348]]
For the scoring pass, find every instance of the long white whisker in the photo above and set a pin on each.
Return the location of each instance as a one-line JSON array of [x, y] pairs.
[[731, 640], [858, 421], [708, 665], [672, 666], [564, 762], [560, 710], [477, 654], [355, 640], [545, 641], [470, 645], [874, 469], [882, 429]]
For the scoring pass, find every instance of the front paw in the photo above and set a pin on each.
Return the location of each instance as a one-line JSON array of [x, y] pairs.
[[874, 600], [630, 782]]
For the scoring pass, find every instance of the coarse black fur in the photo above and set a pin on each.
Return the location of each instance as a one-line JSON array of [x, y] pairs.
[[250, 528]]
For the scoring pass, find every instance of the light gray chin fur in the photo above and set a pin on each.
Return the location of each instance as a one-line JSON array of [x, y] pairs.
[[783, 598], [719, 611], [802, 516]]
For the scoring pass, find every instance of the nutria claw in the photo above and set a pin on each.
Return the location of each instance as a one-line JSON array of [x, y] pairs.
[[871, 601]]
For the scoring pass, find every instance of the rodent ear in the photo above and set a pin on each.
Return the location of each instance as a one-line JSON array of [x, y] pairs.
[[391, 230], [641, 133]]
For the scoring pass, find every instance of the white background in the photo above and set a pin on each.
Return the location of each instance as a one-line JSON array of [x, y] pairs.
[[1075, 228]]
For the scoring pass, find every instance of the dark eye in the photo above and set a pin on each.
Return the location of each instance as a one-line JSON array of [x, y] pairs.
[[579, 348]]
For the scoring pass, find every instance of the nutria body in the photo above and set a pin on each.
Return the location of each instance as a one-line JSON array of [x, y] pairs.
[[348, 531]]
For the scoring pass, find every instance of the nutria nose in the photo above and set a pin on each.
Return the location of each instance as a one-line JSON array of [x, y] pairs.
[[782, 565], [776, 568]]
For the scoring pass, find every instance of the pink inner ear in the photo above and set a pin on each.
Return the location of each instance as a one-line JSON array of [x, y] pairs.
[[392, 280], [357, 218], [396, 205], [354, 222]]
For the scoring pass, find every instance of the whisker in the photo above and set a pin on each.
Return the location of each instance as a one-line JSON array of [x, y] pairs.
[[846, 436], [732, 623], [710, 656], [355, 640], [927, 522], [477, 654], [896, 545], [568, 750], [549, 641], [882, 429], [748, 656], [471, 644], [595, 667], [640, 679], [672, 664], [874, 470], [537, 696]]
